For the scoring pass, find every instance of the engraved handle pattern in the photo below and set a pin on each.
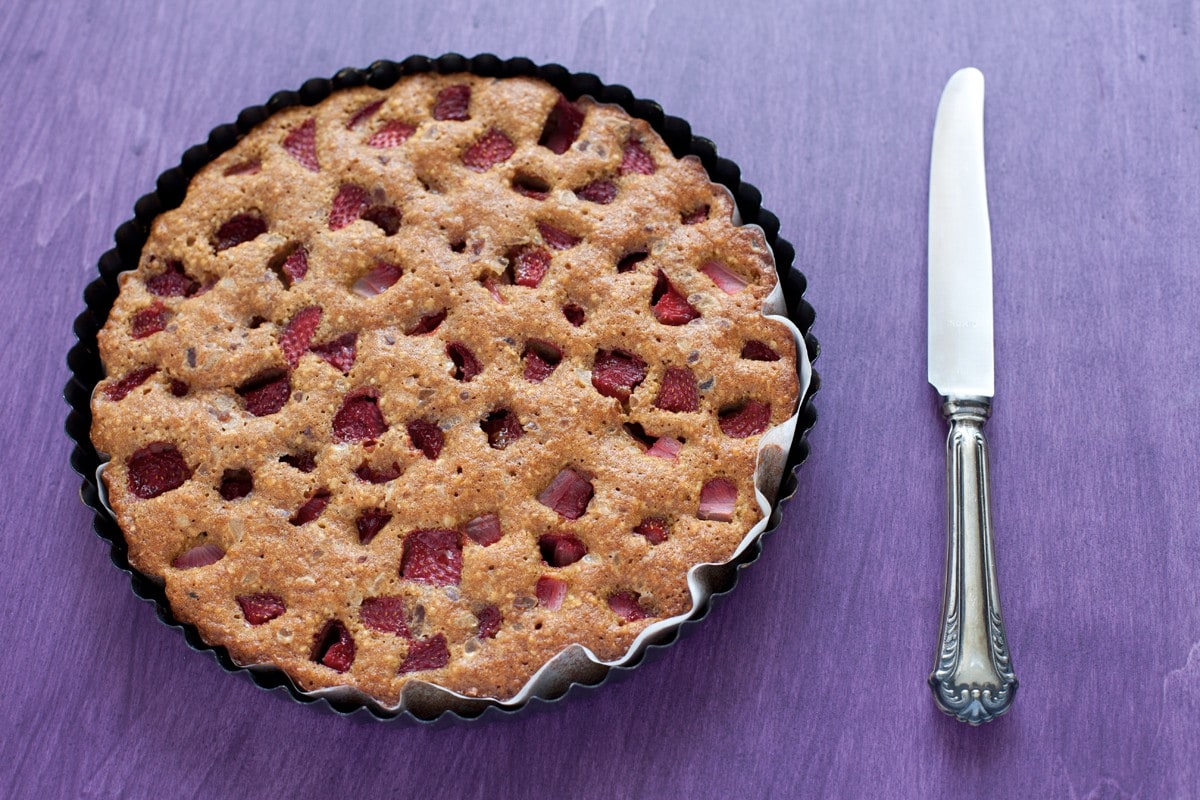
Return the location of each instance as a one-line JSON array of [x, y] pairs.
[[973, 679]]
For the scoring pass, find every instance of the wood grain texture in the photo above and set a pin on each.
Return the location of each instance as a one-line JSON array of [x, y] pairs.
[[809, 679]]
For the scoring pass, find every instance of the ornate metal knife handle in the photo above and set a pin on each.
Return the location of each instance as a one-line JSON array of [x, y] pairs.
[[973, 680]]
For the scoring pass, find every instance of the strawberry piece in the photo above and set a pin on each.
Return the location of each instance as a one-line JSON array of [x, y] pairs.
[[562, 126], [348, 205], [172, 282], [561, 549], [199, 556], [266, 392], [568, 494], [179, 388], [551, 592], [755, 350], [729, 282], [392, 134], [236, 483], [678, 392], [366, 472], [574, 314], [156, 468], [305, 462], [333, 646], [530, 186], [601, 191], [485, 530], [427, 323], [301, 144], [635, 159], [338, 353], [386, 218], [629, 261], [670, 307], [489, 283], [433, 557], [654, 529], [312, 508], [427, 437], [121, 389], [298, 333], [240, 229], [295, 267], [627, 606], [370, 523], [492, 148], [529, 265], [453, 103], [616, 373], [466, 365], [251, 167], [541, 359], [385, 613], [149, 320], [502, 428], [359, 419], [425, 654], [665, 447], [381, 277], [363, 114], [694, 216], [258, 609], [745, 420], [490, 620], [557, 239], [718, 497]]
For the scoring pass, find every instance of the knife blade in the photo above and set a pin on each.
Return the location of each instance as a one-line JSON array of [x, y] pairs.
[[972, 679]]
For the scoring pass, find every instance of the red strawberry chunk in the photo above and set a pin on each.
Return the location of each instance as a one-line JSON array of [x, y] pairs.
[[199, 556], [121, 389], [627, 606], [616, 373], [156, 468], [433, 557], [665, 447], [574, 314], [485, 530], [266, 392], [562, 126], [755, 350], [718, 497], [349, 204], [298, 333], [746, 420], [492, 148], [557, 239], [295, 267], [489, 283], [339, 353], [466, 365], [393, 134], [240, 229], [629, 261], [561, 549], [378, 280], [385, 613], [359, 419], [259, 609], [312, 508], [635, 159], [427, 323], [363, 114], [729, 282], [568, 494], [236, 484], [694, 216], [670, 307], [453, 103], [370, 523], [179, 388], [529, 265], [333, 646], [531, 187], [490, 620], [243, 168], [551, 592], [366, 472], [301, 144], [149, 320], [654, 529], [602, 192], [541, 358], [678, 392], [305, 462], [424, 654], [386, 218], [172, 282], [427, 437], [502, 428]]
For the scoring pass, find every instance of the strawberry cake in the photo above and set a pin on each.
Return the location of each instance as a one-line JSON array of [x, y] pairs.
[[425, 385]]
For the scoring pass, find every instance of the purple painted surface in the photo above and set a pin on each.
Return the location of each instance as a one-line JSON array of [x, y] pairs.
[[809, 679]]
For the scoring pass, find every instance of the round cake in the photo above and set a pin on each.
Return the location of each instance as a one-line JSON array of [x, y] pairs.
[[432, 382]]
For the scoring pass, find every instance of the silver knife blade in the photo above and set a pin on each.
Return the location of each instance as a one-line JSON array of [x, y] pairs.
[[960, 245]]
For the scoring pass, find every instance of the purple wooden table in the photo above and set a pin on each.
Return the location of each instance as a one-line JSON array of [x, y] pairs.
[[809, 680]]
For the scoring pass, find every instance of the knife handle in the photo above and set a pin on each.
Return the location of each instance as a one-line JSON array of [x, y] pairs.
[[973, 679]]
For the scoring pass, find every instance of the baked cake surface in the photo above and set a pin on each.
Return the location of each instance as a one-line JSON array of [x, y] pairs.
[[434, 381]]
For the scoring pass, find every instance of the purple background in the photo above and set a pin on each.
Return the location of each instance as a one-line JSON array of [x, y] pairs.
[[809, 679]]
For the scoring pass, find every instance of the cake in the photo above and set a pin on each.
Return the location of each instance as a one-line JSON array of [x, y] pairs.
[[429, 383]]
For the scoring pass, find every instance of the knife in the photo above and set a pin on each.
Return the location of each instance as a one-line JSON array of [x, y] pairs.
[[972, 679]]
